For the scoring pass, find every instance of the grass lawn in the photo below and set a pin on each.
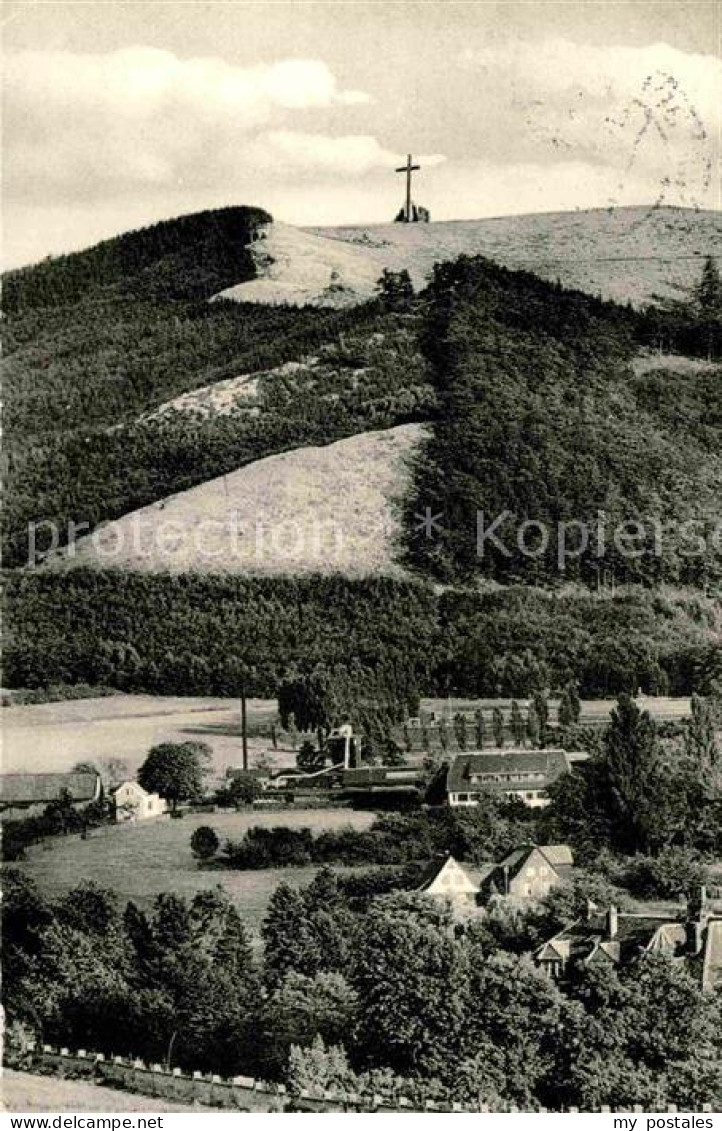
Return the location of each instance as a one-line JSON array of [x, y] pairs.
[[21, 1091], [138, 861]]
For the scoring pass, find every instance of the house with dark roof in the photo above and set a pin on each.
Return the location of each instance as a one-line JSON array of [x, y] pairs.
[[529, 872], [22, 793], [512, 772], [616, 938]]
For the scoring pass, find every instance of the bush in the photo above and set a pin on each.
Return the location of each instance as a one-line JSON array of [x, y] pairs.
[[204, 843]]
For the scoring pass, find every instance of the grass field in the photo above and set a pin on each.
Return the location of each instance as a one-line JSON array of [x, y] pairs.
[[311, 510], [138, 861], [22, 1091], [49, 737], [621, 253]]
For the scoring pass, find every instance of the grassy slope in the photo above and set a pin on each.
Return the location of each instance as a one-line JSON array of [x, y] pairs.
[[139, 861], [627, 254], [23, 1091], [323, 510]]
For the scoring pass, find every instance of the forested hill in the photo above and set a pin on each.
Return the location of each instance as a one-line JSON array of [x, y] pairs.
[[544, 418], [530, 386], [191, 257]]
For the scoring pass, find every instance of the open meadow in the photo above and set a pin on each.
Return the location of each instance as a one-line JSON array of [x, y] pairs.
[[140, 860], [52, 737], [23, 1091]]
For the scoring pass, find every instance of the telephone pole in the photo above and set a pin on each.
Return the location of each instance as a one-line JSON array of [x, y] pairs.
[[244, 724]]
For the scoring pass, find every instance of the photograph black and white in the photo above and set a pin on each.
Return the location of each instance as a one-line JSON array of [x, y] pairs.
[[362, 560]]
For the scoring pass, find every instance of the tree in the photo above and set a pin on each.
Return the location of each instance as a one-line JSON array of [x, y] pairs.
[[532, 726], [574, 701], [410, 974], [517, 723], [309, 759], [302, 1010], [318, 1068], [702, 748], [542, 712], [85, 768], [709, 290], [204, 842], [175, 771], [243, 789], [460, 730], [565, 712], [479, 728], [497, 722], [395, 289], [632, 763]]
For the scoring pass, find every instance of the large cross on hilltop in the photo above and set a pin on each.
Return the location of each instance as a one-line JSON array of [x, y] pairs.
[[408, 168]]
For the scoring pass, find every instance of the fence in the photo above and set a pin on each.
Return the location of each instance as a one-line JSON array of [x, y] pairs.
[[241, 1093]]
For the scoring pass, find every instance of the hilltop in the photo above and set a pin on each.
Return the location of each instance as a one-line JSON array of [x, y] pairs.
[[626, 254]]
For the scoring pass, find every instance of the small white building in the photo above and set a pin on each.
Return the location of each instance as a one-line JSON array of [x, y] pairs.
[[133, 803], [446, 878]]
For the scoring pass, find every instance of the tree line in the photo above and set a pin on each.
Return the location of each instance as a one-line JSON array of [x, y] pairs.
[[387, 994], [541, 420], [384, 639]]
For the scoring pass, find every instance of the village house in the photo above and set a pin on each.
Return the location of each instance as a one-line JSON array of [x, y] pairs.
[[616, 937], [515, 772], [24, 795], [133, 803], [529, 872], [445, 878]]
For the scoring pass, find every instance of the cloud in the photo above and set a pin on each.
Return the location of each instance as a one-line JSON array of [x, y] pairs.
[[652, 111], [76, 125], [353, 155]]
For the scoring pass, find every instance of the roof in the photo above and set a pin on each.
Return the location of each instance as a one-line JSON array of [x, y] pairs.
[[588, 939], [38, 789], [387, 776], [559, 856], [552, 763], [440, 864]]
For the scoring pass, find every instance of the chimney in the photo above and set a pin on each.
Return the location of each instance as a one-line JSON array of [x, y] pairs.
[[697, 906], [697, 915], [612, 921]]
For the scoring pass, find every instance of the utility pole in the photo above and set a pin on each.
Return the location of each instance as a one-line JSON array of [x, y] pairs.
[[244, 723]]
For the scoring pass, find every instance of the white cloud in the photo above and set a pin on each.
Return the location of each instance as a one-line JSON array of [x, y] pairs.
[[652, 111], [351, 155], [76, 124]]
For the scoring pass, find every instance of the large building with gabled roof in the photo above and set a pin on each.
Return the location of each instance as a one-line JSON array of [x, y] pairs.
[[512, 772], [23, 794]]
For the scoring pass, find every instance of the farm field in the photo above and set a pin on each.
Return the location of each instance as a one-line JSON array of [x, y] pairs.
[[52, 737], [138, 861], [49, 737], [22, 1091]]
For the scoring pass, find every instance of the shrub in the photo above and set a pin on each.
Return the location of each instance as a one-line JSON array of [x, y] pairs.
[[204, 843]]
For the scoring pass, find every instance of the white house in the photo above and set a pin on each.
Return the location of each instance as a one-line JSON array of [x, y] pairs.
[[133, 803], [445, 877], [511, 772]]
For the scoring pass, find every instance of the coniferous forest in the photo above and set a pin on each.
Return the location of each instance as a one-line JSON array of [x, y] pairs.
[[536, 408]]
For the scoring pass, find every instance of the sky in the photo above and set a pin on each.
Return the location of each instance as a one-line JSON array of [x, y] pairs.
[[118, 114]]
